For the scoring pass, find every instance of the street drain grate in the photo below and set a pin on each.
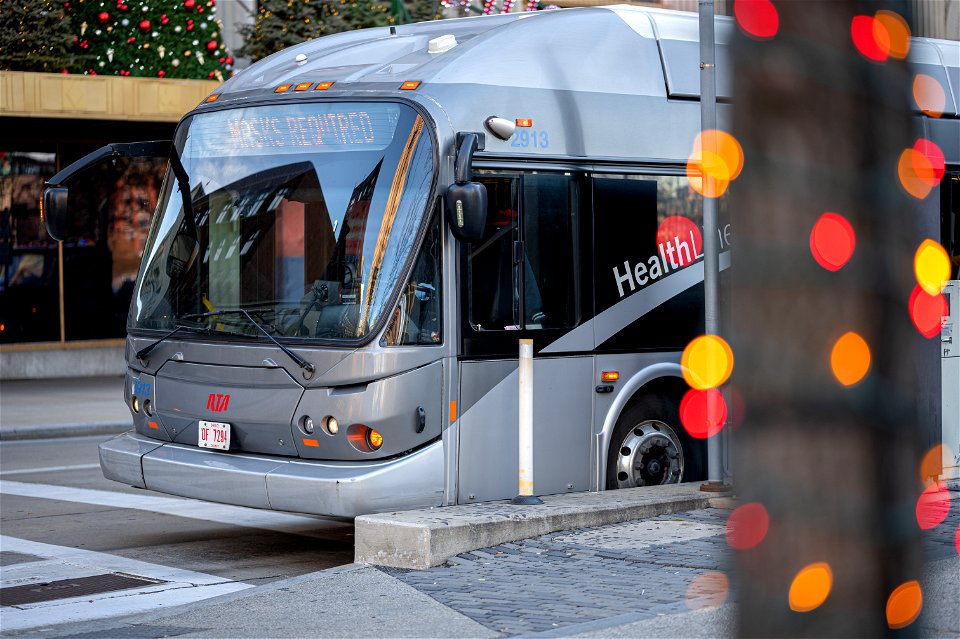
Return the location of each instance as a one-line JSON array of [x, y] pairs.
[[65, 588]]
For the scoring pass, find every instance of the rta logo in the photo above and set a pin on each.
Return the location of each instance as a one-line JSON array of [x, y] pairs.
[[218, 402]]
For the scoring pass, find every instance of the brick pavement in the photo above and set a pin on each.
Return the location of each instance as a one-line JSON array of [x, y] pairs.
[[644, 568]]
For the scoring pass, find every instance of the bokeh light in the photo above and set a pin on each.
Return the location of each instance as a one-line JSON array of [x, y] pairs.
[[707, 362], [911, 165], [864, 31], [931, 265], [810, 587], [904, 605], [892, 34], [832, 241], [936, 159], [716, 160], [707, 591], [757, 18], [677, 226], [926, 311], [931, 466], [929, 95], [747, 526], [703, 412], [933, 506], [850, 359]]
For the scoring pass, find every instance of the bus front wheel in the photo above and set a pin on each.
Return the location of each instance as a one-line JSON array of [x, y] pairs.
[[650, 448]]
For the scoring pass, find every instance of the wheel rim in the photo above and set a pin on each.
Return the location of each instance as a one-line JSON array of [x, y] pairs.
[[649, 455]]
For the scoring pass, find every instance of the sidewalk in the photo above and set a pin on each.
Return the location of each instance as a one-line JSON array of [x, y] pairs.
[[36, 409]]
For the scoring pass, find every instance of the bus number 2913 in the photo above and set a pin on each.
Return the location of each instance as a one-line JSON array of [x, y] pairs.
[[526, 139]]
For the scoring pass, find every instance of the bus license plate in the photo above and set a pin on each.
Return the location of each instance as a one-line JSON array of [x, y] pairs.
[[214, 435]]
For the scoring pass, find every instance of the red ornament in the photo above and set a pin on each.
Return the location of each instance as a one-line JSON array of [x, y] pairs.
[[221, 60], [161, 73], [92, 72], [66, 5], [229, 60], [124, 7], [144, 25], [130, 40], [211, 75], [189, 26], [84, 44], [103, 16], [189, 4], [212, 45], [64, 72], [164, 19], [199, 9]]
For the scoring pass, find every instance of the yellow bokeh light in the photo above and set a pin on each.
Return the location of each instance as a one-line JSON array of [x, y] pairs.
[[716, 160], [850, 359], [931, 265], [810, 587], [707, 362], [904, 605], [929, 95]]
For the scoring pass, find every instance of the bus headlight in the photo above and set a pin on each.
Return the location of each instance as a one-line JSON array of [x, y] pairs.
[[307, 424], [135, 404], [331, 425]]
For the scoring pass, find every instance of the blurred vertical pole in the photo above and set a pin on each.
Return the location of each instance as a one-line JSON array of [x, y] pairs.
[[835, 466], [711, 243]]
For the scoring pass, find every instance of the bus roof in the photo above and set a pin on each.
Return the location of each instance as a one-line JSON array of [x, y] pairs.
[[598, 68]]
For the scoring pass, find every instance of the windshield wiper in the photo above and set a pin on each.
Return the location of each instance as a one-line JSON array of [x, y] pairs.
[[302, 363], [143, 352]]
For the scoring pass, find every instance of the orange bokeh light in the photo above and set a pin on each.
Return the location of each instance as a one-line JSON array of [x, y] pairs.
[[904, 605], [716, 160], [935, 157], [933, 506], [929, 95], [747, 526], [682, 228], [757, 18], [832, 241], [892, 34], [931, 466], [703, 412], [909, 168], [811, 587], [708, 590], [850, 359], [707, 362], [926, 311]]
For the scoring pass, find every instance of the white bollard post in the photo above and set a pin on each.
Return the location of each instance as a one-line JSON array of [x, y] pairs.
[[525, 495]]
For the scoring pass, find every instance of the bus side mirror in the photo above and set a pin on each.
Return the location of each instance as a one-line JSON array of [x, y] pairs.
[[55, 211], [466, 201], [183, 252]]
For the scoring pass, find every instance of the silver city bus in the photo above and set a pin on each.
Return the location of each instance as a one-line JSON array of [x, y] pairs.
[[353, 234]]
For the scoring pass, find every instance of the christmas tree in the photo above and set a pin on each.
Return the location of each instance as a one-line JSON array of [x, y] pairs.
[[35, 35], [149, 38], [284, 23]]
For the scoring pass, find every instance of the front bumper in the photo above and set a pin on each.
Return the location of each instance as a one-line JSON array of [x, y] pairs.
[[338, 489]]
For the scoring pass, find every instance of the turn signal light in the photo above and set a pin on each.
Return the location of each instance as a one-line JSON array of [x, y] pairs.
[[374, 438], [283, 88], [212, 98], [524, 122], [410, 85], [610, 376], [323, 86], [303, 86]]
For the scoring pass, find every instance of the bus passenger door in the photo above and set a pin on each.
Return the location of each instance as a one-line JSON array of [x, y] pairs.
[[524, 279]]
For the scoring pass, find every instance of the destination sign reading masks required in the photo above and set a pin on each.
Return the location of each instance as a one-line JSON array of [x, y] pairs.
[[290, 129]]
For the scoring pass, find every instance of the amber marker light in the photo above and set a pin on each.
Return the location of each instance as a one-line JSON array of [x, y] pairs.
[[283, 88], [524, 122], [374, 438], [303, 86], [212, 98], [610, 376], [323, 86], [312, 443], [410, 85]]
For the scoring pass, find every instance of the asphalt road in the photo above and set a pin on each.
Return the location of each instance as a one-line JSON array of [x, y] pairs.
[[63, 523]]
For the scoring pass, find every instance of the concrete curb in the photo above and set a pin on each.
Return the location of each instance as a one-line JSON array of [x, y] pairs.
[[421, 539], [49, 431]]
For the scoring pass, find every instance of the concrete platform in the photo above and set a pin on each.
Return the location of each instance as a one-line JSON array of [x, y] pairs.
[[421, 539]]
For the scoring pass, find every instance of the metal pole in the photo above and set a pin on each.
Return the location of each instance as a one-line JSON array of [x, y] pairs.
[[525, 494], [711, 243]]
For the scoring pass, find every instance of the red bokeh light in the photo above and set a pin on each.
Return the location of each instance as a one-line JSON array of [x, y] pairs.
[[757, 18], [926, 311], [933, 506], [747, 526], [832, 241], [703, 412], [864, 30], [683, 230], [934, 155]]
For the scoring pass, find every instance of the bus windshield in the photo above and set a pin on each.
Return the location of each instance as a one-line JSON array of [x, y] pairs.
[[304, 215]]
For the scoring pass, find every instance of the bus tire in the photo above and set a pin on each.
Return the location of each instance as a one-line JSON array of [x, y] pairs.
[[649, 447]]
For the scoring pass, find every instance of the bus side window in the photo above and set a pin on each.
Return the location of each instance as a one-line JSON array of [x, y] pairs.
[[416, 320]]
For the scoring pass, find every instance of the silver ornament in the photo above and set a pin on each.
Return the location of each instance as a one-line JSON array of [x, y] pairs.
[[125, 22]]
